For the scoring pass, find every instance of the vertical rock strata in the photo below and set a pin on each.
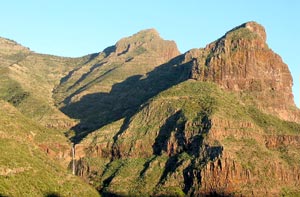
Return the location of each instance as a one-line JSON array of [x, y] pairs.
[[241, 61]]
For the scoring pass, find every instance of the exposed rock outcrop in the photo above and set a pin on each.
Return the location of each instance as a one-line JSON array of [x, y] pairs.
[[277, 141], [225, 176], [241, 61]]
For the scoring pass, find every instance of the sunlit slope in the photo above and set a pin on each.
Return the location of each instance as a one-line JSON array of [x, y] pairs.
[[24, 169], [184, 131]]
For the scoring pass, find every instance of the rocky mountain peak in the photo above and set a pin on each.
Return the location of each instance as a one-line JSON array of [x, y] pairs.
[[257, 28], [146, 40], [147, 32], [241, 61], [146, 35], [249, 28]]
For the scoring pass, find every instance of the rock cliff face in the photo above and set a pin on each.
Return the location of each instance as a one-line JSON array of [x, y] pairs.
[[241, 61]]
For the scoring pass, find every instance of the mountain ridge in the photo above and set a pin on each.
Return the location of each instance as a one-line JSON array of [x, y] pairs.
[[146, 120]]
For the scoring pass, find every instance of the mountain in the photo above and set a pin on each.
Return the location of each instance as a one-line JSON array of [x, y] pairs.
[[107, 87], [241, 61], [28, 79], [34, 150], [146, 120]]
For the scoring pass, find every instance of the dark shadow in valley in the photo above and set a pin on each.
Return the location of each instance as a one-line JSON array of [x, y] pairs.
[[52, 194], [81, 89], [124, 99], [109, 194], [218, 194]]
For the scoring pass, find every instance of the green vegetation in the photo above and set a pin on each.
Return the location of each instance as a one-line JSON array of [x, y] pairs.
[[271, 124], [186, 105], [287, 192], [170, 191], [244, 33], [13, 124], [11, 91], [197, 101], [24, 168], [27, 81]]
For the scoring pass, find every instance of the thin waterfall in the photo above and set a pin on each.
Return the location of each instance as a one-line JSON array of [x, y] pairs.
[[73, 159]]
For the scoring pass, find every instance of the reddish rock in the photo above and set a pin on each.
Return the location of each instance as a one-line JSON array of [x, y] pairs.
[[241, 61]]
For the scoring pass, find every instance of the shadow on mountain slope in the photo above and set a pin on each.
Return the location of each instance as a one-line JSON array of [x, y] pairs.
[[124, 99], [52, 194]]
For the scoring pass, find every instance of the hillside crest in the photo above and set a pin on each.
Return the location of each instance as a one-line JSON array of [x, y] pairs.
[[141, 119]]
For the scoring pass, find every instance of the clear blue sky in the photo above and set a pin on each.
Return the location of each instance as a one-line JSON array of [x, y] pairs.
[[76, 28]]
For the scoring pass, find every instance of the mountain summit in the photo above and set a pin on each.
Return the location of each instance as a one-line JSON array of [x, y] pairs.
[[241, 61], [145, 40], [254, 28]]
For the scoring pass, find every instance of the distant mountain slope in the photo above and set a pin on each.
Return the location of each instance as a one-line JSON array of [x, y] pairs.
[[27, 81]]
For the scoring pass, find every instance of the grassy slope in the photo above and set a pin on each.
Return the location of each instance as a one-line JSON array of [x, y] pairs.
[[28, 79], [24, 168], [37, 75], [142, 168]]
